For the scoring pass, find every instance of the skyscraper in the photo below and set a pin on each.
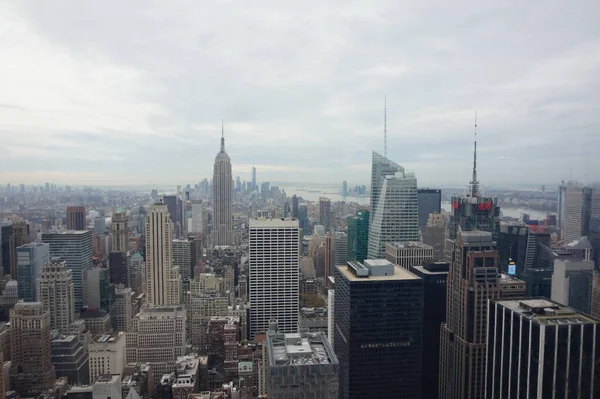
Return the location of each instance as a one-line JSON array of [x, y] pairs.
[[122, 311], [163, 281], [274, 274], [56, 293], [31, 370], [396, 216], [7, 248], [572, 284], [184, 256], [254, 186], [430, 201], [99, 226], [582, 203], [75, 248], [157, 337], [537, 348], [222, 198], [472, 280], [378, 311], [76, 218], [358, 236], [120, 232], [198, 217], [119, 266], [325, 213], [31, 259], [295, 206], [435, 277], [380, 168]]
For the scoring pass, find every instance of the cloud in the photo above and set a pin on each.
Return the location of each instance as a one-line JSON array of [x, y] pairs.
[[135, 91]]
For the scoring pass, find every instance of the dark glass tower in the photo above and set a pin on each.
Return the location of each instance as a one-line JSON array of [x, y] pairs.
[[430, 201], [435, 277], [537, 348], [378, 316], [358, 236]]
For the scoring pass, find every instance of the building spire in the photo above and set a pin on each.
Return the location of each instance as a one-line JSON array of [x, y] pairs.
[[222, 137], [474, 183], [385, 126]]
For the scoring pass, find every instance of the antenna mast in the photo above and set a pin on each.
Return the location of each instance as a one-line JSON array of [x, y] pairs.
[[385, 126], [474, 183]]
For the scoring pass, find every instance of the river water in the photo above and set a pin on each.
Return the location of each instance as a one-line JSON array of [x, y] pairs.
[[333, 193]]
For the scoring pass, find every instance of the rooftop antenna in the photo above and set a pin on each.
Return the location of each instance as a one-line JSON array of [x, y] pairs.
[[474, 183], [222, 136], [385, 126]]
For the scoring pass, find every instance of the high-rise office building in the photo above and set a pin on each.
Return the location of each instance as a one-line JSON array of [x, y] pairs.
[[222, 198], [76, 218], [378, 312], [31, 370], [434, 234], [430, 201], [537, 348], [560, 208], [31, 259], [157, 337], [56, 293], [396, 216], [7, 248], [295, 206], [472, 280], [582, 203], [184, 256], [70, 358], [75, 248], [254, 186], [325, 213], [107, 354], [163, 281], [99, 226], [512, 247], [273, 264], [340, 251], [122, 309], [119, 266], [199, 220], [572, 284], [173, 203], [301, 366], [407, 254], [435, 277], [358, 236], [120, 232], [97, 290], [380, 168], [303, 220]]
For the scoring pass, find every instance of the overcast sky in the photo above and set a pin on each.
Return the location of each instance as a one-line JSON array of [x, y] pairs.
[[120, 92]]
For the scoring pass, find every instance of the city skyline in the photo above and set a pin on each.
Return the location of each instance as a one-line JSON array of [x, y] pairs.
[[299, 95]]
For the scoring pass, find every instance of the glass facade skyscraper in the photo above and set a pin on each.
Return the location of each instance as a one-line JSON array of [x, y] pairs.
[[396, 216], [378, 316], [430, 201], [358, 236]]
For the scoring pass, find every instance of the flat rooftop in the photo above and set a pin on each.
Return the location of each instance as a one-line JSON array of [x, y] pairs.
[[399, 274], [546, 312], [408, 244], [299, 349], [109, 337]]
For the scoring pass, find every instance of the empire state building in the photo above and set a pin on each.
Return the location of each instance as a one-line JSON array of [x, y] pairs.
[[222, 198]]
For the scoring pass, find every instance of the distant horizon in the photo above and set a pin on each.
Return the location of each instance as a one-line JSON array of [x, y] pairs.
[[530, 187]]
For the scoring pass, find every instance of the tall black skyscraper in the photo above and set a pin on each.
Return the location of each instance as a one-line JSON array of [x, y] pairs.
[[435, 277], [378, 320], [295, 206], [537, 348], [430, 201]]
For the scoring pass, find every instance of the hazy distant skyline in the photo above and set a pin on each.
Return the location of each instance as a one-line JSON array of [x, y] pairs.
[[113, 93]]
